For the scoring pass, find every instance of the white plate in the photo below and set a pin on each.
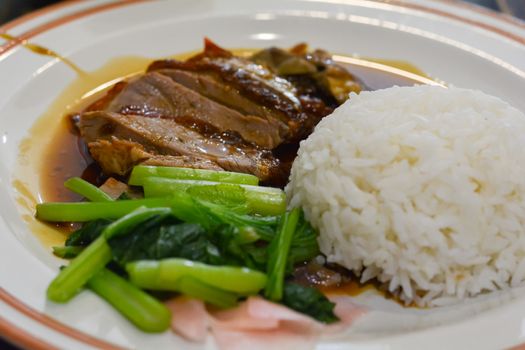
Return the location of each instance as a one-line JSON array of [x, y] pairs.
[[451, 42]]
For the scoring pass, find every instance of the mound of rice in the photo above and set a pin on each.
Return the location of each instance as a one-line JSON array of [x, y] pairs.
[[422, 188]]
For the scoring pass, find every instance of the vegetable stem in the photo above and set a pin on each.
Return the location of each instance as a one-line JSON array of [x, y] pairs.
[[71, 279], [88, 211], [142, 172], [67, 252], [309, 301], [124, 224], [143, 310], [260, 200], [87, 190], [211, 215], [165, 275], [194, 288], [278, 254]]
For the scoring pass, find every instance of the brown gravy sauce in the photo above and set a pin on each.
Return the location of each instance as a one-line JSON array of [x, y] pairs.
[[40, 50], [354, 288], [66, 155]]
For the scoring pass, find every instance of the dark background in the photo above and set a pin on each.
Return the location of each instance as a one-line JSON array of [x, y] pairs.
[[10, 9]]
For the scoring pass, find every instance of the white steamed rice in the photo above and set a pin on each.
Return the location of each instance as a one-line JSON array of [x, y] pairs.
[[420, 187]]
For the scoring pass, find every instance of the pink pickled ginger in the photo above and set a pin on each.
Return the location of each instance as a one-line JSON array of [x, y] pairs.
[[256, 323]]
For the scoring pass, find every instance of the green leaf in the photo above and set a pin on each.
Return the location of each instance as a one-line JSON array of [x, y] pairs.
[[67, 252], [309, 301], [124, 197], [167, 238], [87, 233], [304, 245], [278, 253]]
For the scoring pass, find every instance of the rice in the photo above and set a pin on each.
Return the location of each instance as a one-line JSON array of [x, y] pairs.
[[422, 188]]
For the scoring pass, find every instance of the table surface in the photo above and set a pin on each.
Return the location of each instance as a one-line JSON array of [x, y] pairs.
[[11, 9]]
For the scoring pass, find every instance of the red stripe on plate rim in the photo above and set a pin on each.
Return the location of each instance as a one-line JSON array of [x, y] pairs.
[[23, 337], [19, 39], [18, 336]]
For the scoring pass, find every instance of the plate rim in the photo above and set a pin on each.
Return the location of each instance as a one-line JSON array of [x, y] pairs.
[[109, 5], [25, 338], [47, 321], [20, 337]]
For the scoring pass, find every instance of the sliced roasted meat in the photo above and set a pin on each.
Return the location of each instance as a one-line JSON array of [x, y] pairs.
[[116, 156], [167, 137], [103, 102], [217, 111], [210, 85], [255, 82], [156, 95]]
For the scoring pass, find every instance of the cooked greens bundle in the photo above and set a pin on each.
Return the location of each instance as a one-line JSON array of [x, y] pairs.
[[214, 236]]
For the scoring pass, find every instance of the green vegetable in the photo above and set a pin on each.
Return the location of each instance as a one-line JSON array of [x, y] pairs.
[[220, 237], [194, 288], [304, 244], [309, 301], [87, 233], [169, 238], [240, 246], [84, 188], [157, 240], [260, 200], [165, 275], [222, 194], [124, 196], [279, 250], [67, 252], [132, 220], [71, 279], [228, 239], [264, 226], [88, 211], [244, 241], [212, 215], [196, 238], [141, 172], [144, 311]]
